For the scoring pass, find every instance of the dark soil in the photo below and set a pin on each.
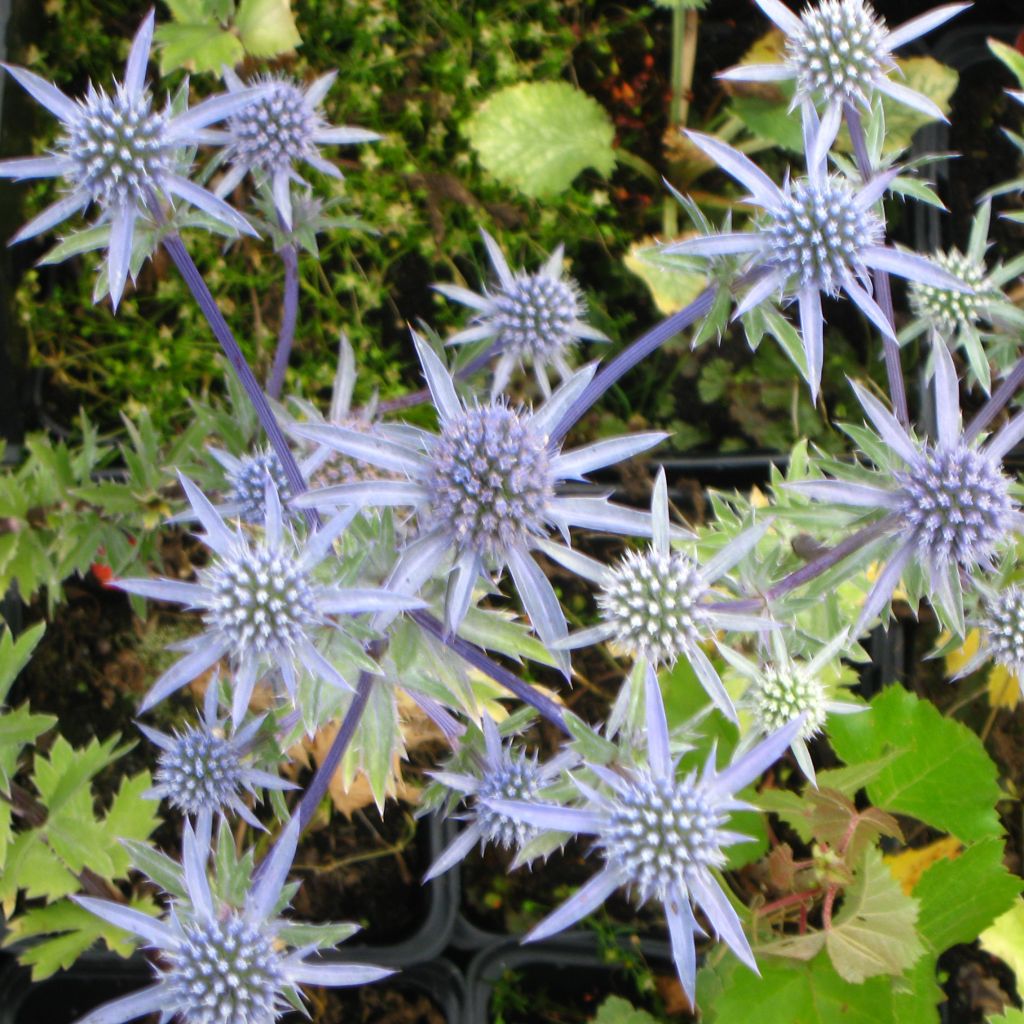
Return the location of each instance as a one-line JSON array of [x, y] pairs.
[[375, 1004], [366, 870]]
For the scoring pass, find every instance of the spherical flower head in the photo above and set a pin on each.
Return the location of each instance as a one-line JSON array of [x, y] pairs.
[[202, 769], [840, 51], [117, 148], [956, 502], [225, 971], [516, 777], [784, 692], [261, 600], [535, 316], [660, 830], [818, 233], [1003, 626], [651, 599], [275, 129], [249, 484], [945, 310], [490, 477]]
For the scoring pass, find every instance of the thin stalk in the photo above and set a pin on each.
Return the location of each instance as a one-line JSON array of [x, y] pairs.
[[684, 56], [289, 315], [222, 332], [630, 356], [883, 290], [999, 398], [474, 656]]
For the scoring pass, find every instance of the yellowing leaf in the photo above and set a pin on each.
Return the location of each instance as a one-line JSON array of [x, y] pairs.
[[1003, 688], [956, 659], [671, 288], [872, 573], [874, 932], [908, 866], [1005, 939], [267, 27]]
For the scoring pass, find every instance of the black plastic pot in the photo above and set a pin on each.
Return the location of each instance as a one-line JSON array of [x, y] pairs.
[[572, 962], [98, 978]]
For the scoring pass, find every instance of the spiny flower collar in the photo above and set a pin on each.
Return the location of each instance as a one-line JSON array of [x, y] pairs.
[[486, 491], [117, 151], [820, 236], [660, 835], [221, 964]]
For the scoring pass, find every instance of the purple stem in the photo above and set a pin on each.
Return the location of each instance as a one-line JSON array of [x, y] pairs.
[[883, 290], [289, 314], [190, 272], [423, 394], [630, 356], [476, 657], [999, 398]]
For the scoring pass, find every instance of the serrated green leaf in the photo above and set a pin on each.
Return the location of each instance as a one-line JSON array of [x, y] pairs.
[[197, 47], [34, 868], [67, 769], [267, 27], [15, 654], [960, 897], [17, 729], [851, 778], [942, 777], [615, 1010], [537, 136], [874, 933], [131, 817], [672, 288], [1010, 56]]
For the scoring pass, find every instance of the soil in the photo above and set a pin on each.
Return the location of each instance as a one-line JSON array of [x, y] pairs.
[[366, 870], [375, 1004]]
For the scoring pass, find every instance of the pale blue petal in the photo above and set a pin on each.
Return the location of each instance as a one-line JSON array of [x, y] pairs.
[[273, 873], [782, 16], [190, 594], [367, 447], [53, 215], [459, 592], [344, 135], [336, 974], [812, 324], [868, 306], [734, 622], [197, 885], [34, 167], [575, 464], [599, 514], [1006, 439], [551, 817], [879, 595], [190, 667], [217, 537], [548, 416], [575, 561], [539, 601], [46, 93], [207, 202], [709, 679], [216, 108], [466, 297], [844, 492], [660, 529], [721, 914], [921, 24], [755, 762], [130, 1007], [456, 851], [439, 381], [741, 167], [158, 739], [585, 638], [497, 258], [658, 752], [320, 666], [766, 285], [138, 58], [243, 683], [585, 901], [947, 397], [757, 73], [357, 600], [876, 188], [368, 493], [152, 929], [317, 91], [910, 98], [912, 267], [321, 543], [122, 227], [717, 245], [886, 424], [681, 928]]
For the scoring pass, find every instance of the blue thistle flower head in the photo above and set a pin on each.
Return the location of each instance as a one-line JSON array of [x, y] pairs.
[[486, 488], [661, 604], [946, 503], [218, 963], [278, 128], [504, 774], [818, 235], [660, 836], [841, 52], [533, 319], [118, 151], [262, 607], [1002, 630], [204, 770]]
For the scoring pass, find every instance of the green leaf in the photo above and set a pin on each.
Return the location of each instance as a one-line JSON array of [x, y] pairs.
[[1004, 938], [197, 47], [769, 119], [942, 776], [15, 654], [67, 770], [615, 1010], [848, 780], [537, 136], [672, 288], [960, 897], [267, 27], [874, 931], [1010, 56], [924, 75], [18, 728]]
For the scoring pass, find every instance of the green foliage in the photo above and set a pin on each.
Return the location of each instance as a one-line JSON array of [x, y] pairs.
[[615, 1010], [942, 774], [204, 35], [537, 136]]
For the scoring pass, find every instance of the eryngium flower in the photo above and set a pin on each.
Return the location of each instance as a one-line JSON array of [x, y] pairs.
[[485, 489], [119, 152], [783, 688], [661, 604], [261, 604], [947, 504], [202, 771], [956, 317], [820, 235], [221, 964], [533, 319], [279, 127], [1001, 624], [505, 774], [840, 52], [661, 836]]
